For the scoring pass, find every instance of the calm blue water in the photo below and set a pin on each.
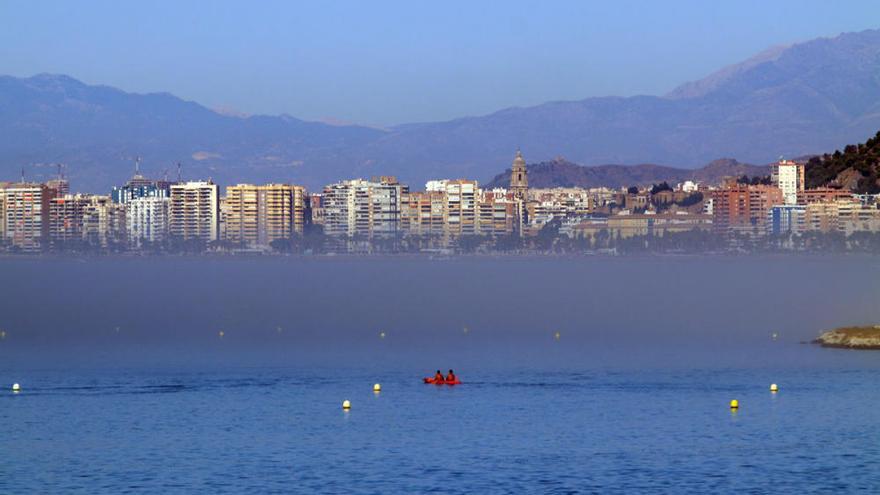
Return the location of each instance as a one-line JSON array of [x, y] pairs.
[[632, 397]]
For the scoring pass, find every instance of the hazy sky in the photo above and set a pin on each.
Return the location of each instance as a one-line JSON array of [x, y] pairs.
[[395, 62]]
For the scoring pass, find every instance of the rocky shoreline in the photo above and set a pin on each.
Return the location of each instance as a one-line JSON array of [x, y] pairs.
[[851, 338]]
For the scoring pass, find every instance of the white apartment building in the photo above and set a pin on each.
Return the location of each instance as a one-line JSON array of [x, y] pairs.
[[194, 211], [789, 177], [147, 219], [361, 207]]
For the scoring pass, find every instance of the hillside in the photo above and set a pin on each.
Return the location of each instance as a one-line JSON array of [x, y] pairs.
[[856, 168], [563, 173], [795, 100], [98, 131]]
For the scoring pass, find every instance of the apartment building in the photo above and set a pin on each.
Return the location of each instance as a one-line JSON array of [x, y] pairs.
[[194, 211]]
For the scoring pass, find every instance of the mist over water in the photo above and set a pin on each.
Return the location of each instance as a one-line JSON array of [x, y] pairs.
[[127, 384], [627, 312]]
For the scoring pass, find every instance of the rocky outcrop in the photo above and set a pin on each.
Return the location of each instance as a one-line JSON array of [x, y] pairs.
[[851, 338]]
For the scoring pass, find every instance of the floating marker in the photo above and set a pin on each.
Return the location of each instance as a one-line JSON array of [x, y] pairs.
[[734, 404], [16, 387], [2, 334], [775, 335], [377, 388], [346, 405], [557, 335], [221, 334], [465, 330], [381, 335], [774, 388]]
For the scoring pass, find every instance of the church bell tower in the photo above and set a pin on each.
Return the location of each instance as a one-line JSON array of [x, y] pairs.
[[519, 178]]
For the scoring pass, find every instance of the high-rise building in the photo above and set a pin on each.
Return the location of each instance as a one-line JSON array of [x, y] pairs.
[[140, 187], [360, 207], [789, 177], [741, 208], [27, 216], [519, 178], [462, 198], [59, 186], [146, 220], [258, 215], [66, 220], [104, 222], [3, 186], [423, 213], [194, 211], [497, 216]]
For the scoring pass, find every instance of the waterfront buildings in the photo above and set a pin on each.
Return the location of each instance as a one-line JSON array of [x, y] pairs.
[[843, 216], [26, 213], [257, 215], [3, 213], [66, 220], [742, 208], [785, 219], [363, 208], [147, 219], [139, 187], [423, 213], [461, 207], [194, 211], [788, 176]]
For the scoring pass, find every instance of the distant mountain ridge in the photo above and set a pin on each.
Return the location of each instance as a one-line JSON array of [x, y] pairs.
[[795, 100], [560, 172]]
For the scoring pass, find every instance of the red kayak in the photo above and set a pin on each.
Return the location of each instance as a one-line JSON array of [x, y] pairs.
[[442, 382]]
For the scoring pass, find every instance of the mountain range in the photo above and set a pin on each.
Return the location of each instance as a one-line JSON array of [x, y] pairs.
[[801, 99], [560, 172]]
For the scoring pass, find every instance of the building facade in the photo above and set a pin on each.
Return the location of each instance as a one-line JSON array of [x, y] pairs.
[[147, 220], [519, 178], [258, 215], [194, 211], [363, 208], [27, 216], [742, 209], [788, 176]]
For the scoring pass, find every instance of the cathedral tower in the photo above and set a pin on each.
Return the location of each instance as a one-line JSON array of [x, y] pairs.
[[519, 178]]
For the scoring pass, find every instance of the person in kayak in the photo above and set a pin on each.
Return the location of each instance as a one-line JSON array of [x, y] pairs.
[[451, 378], [438, 378]]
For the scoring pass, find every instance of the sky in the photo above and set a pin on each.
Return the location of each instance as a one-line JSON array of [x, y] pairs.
[[392, 62]]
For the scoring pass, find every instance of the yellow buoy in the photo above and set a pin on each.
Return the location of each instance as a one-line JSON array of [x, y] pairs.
[[734, 404], [16, 387], [557, 335], [774, 388], [377, 388], [346, 404], [221, 334]]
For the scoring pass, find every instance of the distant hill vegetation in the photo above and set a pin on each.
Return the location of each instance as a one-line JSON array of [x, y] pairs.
[[563, 173], [856, 168]]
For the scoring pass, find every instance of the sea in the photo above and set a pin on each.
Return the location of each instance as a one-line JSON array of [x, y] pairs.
[[579, 375]]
